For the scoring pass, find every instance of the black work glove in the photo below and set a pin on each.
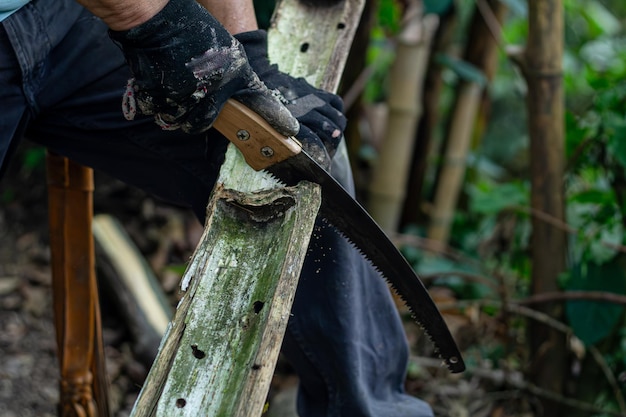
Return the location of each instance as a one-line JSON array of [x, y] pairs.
[[319, 112], [186, 65]]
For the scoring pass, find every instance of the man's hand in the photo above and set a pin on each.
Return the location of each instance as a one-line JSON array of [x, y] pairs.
[[185, 67], [319, 112]]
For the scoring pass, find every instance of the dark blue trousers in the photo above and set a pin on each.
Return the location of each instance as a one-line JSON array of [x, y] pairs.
[[61, 80]]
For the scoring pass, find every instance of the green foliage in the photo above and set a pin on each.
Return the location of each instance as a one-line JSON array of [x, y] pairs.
[[381, 50], [380, 55], [596, 146], [492, 225], [593, 321], [488, 198], [493, 219], [389, 14]]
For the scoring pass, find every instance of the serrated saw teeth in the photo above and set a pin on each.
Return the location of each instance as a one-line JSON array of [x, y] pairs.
[[353, 223], [290, 164]]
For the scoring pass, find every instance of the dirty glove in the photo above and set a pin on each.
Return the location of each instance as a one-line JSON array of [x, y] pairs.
[[186, 65], [319, 112]]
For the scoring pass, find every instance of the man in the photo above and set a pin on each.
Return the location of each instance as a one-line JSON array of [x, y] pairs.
[[61, 82]]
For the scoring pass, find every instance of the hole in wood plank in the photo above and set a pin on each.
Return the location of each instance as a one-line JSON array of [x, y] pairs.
[[341, 25], [256, 367], [180, 403], [304, 47], [197, 353], [258, 306]]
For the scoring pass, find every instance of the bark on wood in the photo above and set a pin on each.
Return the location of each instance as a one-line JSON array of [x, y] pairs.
[[541, 65], [219, 353]]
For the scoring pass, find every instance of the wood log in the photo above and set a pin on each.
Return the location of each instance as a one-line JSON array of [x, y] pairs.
[[128, 282], [239, 287], [219, 352]]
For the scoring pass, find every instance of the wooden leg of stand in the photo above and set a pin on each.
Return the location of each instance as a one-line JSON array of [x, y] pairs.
[[75, 294]]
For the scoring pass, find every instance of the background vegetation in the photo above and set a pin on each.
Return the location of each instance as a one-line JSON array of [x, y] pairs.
[[481, 270]]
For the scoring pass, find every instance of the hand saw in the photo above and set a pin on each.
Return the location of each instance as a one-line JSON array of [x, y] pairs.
[[265, 149]]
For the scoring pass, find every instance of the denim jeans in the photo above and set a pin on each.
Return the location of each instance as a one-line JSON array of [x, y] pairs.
[[61, 80]]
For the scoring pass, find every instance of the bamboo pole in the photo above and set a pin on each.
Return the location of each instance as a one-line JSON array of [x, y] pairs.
[[469, 116], [414, 207], [219, 353], [541, 64], [388, 188], [454, 163]]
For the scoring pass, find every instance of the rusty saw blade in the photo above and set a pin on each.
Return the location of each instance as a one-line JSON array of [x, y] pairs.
[[283, 157]]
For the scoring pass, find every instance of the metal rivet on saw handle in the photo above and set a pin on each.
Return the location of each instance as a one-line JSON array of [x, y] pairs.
[[267, 152], [243, 134]]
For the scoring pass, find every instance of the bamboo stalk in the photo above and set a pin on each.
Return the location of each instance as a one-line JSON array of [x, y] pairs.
[[388, 188], [541, 64], [219, 353], [469, 114], [454, 162]]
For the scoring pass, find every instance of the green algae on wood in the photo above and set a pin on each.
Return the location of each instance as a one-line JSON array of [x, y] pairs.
[[248, 261]]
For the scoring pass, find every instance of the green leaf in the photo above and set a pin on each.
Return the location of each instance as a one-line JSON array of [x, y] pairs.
[[595, 214], [389, 15], [604, 245], [593, 321], [617, 142], [576, 134], [595, 196], [492, 199]]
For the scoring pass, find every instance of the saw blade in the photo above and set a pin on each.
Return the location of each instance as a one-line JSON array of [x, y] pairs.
[[284, 158], [354, 223]]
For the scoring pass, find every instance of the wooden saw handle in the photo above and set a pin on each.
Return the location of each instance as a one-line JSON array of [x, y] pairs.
[[260, 144]]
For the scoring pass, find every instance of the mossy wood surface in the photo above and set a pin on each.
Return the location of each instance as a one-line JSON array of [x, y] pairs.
[[218, 355], [233, 302]]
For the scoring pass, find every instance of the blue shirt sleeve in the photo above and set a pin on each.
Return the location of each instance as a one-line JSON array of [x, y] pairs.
[[8, 7]]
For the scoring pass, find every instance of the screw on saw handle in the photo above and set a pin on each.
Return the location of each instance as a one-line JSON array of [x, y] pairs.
[[260, 144]]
